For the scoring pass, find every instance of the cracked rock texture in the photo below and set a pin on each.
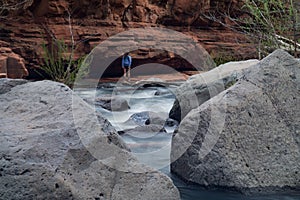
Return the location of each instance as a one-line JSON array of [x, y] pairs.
[[246, 138], [45, 153]]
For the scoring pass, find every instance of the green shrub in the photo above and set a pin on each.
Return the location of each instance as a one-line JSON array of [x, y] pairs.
[[274, 24], [222, 58], [59, 64]]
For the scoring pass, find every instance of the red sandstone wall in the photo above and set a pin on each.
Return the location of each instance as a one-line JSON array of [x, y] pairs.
[[25, 29]]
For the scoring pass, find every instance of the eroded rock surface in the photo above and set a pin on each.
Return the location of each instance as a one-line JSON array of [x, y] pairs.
[[247, 137]]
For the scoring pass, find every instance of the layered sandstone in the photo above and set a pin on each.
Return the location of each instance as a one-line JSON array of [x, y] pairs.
[[11, 64], [92, 22]]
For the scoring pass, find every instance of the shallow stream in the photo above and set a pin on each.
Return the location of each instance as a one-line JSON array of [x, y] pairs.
[[154, 150]]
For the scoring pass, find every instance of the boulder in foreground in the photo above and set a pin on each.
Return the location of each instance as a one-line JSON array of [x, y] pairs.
[[44, 156]]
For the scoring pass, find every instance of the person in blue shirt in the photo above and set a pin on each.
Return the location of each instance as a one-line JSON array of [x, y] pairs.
[[126, 65]]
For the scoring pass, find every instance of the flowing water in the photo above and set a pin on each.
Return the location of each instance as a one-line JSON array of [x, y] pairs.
[[154, 150]]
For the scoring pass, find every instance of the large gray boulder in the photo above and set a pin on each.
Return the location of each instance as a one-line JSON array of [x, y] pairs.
[[45, 153], [247, 137], [201, 87]]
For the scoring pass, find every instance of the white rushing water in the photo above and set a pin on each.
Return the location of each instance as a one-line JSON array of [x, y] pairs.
[[154, 150], [151, 149]]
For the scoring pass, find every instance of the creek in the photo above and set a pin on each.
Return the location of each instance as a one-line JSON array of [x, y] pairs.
[[154, 150]]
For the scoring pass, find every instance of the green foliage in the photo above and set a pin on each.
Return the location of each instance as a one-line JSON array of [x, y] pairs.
[[273, 23], [59, 64], [221, 58]]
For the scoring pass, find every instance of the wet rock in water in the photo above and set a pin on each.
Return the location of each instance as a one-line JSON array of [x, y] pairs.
[[140, 119], [146, 130], [53, 146], [146, 118], [201, 87], [151, 82], [163, 92], [171, 122], [112, 103], [106, 85], [246, 138]]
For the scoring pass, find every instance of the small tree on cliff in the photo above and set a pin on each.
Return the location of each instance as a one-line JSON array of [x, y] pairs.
[[59, 62], [274, 23], [58, 65]]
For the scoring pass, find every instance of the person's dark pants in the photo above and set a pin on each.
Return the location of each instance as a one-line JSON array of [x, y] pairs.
[[126, 71]]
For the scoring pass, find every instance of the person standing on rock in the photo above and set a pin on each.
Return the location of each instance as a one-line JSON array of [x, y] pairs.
[[126, 65]]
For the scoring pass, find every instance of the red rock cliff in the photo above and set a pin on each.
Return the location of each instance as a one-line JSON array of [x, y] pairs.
[[25, 28]]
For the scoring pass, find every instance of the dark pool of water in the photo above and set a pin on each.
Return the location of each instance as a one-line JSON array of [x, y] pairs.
[[196, 192]]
